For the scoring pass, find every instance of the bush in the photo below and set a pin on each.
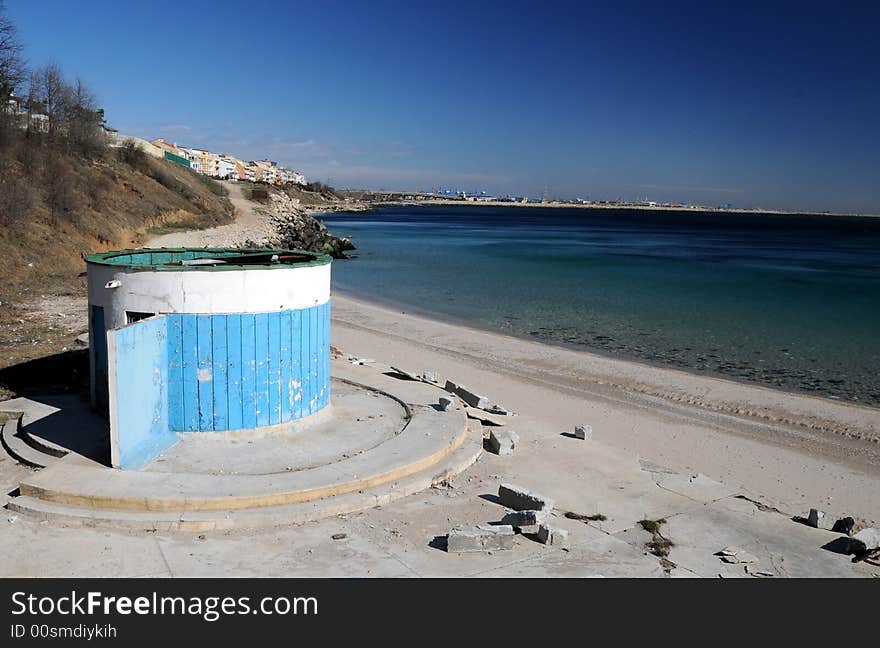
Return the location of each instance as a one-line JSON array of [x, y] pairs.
[[17, 199], [133, 155]]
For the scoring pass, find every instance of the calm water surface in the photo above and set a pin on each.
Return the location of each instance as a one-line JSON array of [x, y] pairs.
[[787, 301]]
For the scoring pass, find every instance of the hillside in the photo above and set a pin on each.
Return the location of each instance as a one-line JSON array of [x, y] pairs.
[[57, 205]]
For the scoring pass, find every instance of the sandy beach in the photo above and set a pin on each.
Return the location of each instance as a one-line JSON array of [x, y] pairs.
[[790, 450], [795, 451]]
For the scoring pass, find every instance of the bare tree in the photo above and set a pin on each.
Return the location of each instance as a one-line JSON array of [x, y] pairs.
[[50, 95], [12, 65]]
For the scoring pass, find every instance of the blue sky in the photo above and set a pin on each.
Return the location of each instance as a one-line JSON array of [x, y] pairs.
[[750, 105]]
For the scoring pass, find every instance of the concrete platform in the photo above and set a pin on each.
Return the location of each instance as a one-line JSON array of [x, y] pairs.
[[376, 447]]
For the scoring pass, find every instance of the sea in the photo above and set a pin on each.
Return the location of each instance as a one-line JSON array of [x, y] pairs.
[[789, 301]]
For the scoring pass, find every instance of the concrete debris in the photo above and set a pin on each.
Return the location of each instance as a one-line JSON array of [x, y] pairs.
[[431, 378], [502, 441], [339, 536], [83, 339], [583, 432], [522, 499], [758, 573], [469, 397], [495, 408], [360, 361], [819, 519], [554, 536], [735, 555], [446, 404], [865, 541], [480, 538], [520, 519], [844, 525], [406, 374], [485, 417]]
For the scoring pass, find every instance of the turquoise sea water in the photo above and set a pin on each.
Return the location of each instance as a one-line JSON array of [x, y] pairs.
[[790, 301]]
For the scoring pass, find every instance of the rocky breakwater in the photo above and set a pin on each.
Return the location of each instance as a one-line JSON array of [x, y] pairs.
[[295, 228]]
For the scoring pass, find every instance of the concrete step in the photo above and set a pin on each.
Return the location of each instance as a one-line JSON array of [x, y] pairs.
[[13, 441], [297, 513], [428, 438]]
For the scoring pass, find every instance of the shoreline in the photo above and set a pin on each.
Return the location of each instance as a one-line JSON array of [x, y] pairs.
[[561, 205], [783, 446], [392, 305]]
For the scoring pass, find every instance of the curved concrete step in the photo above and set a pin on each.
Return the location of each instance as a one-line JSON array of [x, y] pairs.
[[200, 521], [429, 438], [13, 441]]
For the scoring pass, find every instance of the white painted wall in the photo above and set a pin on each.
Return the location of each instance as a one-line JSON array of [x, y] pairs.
[[256, 290]]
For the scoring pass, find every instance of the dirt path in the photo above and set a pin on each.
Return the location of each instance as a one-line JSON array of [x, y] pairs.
[[250, 223]]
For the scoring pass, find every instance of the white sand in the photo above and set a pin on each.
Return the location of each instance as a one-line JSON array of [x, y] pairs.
[[788, 450]]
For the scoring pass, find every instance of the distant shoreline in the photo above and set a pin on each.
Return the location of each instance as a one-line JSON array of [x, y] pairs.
[[561, 205]]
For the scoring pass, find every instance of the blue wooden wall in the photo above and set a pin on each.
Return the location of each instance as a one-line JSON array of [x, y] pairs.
[[241, 371], [140, 364]]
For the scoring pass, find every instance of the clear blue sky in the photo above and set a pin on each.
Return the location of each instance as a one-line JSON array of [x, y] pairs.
[[755, 106]]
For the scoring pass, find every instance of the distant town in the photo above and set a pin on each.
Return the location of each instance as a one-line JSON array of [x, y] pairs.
[[216, 165]]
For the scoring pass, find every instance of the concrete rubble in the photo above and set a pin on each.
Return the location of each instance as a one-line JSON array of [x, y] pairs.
[[865, 541], [480, 538], [554, 536], [820, 520], [735, 555], [486, 417], [469, 397], [583, 432], [406, 374], [520, 519], [503, 441], [446, 404], [521, 499]]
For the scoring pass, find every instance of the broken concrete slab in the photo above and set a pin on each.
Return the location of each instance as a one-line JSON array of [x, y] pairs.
[[446, 404], [583, 432], [503, 441], [866, 540], [819, 519], [430, 377], [551, 535], [483, 537], [520, 519], [495, 408], [406, 374], [469, 397], [485, 417], [522, 499]]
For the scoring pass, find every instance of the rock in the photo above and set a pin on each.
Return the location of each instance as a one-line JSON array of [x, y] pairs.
[[520, 519], [83, 339], [554, 536], [430, 377], [502, 441], [446, 404], [339, 536], [866, 540], [469, 397], [583, 432], [844, 525], [522, 499], [295, 229], [480, 538]]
